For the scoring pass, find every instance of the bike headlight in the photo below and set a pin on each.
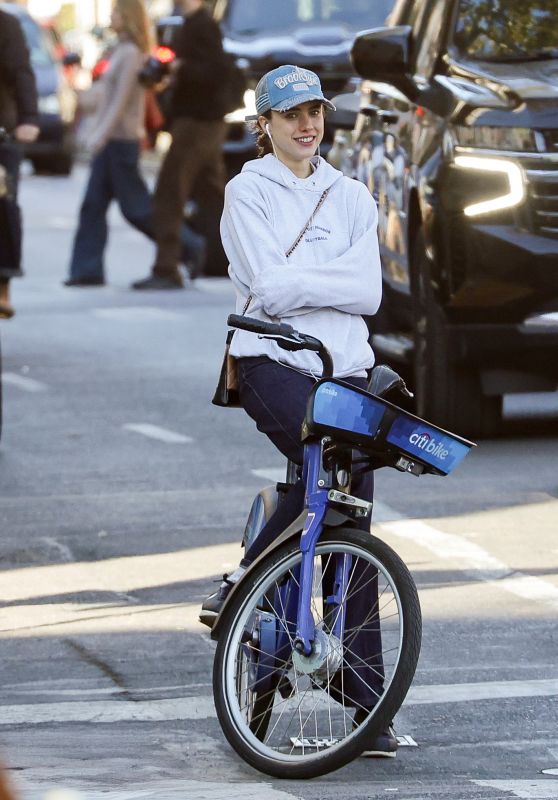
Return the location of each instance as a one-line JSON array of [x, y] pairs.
[[507, 169], [520, 140], [49, 104]]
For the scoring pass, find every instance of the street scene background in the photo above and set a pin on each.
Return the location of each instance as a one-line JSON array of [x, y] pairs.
[[123, 495]]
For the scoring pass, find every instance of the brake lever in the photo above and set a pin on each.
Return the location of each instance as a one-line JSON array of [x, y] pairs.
[[292, 344]]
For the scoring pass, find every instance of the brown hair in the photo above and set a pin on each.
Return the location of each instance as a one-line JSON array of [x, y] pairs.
[[136, 22], [263, 142]]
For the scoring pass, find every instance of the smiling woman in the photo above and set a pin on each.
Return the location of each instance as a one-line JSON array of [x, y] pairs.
[[302, 245]]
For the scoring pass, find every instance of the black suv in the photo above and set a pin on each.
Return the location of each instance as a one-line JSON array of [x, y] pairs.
[[457, 139]]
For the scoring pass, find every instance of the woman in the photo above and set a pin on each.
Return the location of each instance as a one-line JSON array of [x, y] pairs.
[[115, 137], [321, 287]]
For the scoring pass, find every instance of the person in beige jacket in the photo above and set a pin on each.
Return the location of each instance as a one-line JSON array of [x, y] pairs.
[[114, 138]]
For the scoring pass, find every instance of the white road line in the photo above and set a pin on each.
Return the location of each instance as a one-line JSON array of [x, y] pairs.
[[488, 690], [134, 313], [155, 432], [538, 789], [62, 223], [274, 474], [179, 790], [27, 384], [202, 707], [108, 711], [471, 558]]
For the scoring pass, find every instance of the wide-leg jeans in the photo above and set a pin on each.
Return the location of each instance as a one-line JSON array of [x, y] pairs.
[[115, 175]]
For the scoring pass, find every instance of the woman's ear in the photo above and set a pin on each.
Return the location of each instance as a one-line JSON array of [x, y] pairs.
[[263, 122]]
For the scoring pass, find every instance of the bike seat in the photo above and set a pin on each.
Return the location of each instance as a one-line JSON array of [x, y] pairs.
[[383, 379]]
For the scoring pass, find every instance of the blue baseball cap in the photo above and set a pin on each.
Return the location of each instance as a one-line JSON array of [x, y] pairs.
[[286, 87]]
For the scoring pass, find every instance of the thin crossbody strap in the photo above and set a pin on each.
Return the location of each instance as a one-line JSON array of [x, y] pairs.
[[297, 241]]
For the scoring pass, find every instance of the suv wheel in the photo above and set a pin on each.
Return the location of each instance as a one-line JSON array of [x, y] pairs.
[[448, 394]]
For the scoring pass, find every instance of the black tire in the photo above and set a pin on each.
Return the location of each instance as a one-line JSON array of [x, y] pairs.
[[275, 760], [447, 393]]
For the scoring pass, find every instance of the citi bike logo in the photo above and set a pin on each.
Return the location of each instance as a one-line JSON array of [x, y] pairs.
[[424, 441]]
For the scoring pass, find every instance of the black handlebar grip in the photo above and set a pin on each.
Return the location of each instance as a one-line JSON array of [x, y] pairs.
[[259, 326]]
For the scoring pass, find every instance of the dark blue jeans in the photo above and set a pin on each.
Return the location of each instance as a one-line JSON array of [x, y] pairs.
[[115, 175], [276, 397]]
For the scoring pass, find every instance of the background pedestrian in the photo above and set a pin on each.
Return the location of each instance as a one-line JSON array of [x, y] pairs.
[[195, 157], [18, 119], [114, 137]]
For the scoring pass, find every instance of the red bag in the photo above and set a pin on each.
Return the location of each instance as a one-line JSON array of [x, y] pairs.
[[154, 119]]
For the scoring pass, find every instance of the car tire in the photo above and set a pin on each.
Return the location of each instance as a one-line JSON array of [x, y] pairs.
[[447, 393]]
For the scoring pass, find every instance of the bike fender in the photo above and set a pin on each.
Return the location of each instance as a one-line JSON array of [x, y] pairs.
[[332, 519]]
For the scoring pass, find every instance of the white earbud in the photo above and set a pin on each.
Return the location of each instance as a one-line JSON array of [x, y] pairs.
[[268, 130]]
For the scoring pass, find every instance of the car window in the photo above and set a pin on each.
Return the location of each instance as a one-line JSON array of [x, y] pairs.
[[250, 17], [40, 48], [428, 43], [506, 29]]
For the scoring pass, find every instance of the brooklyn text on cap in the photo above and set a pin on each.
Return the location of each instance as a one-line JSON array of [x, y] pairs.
[[285, 87]]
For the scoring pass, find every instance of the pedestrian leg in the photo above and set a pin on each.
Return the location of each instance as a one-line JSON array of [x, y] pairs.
[[87, 264], [174, 184]]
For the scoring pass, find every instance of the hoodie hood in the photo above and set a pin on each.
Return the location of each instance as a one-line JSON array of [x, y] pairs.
[[270, 167]]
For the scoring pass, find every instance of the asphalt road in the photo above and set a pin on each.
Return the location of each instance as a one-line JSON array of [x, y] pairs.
[[123, 494]]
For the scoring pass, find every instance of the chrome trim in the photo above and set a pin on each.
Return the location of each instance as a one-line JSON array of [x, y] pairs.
[[547, 320], [477, 151], [543, 175]]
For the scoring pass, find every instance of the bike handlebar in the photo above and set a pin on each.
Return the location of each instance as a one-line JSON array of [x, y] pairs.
[[286, 337], [259, 326]]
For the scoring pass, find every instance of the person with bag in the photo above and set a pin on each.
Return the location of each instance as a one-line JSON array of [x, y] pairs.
[[302, 243], [114, 137], [18, 125]]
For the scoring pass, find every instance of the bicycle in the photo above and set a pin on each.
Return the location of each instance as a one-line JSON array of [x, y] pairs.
[[327, 614]]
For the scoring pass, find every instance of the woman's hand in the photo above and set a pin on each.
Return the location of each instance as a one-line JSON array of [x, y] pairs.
[[26, 134]]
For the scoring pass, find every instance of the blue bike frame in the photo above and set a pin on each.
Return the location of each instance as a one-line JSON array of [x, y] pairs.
[[317, 504]]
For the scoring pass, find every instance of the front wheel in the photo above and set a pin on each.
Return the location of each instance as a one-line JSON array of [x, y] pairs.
[[291, 715]]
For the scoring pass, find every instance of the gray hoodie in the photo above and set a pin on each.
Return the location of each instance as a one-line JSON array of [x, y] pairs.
[[331, 279]]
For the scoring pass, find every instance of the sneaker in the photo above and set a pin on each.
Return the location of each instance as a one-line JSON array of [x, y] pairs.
[[212, 605], [92, 281], [6, 308], [384, 745], [158, 282], [7, 311]]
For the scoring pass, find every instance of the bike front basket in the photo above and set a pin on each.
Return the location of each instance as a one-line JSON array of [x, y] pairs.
[[372, 424]]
